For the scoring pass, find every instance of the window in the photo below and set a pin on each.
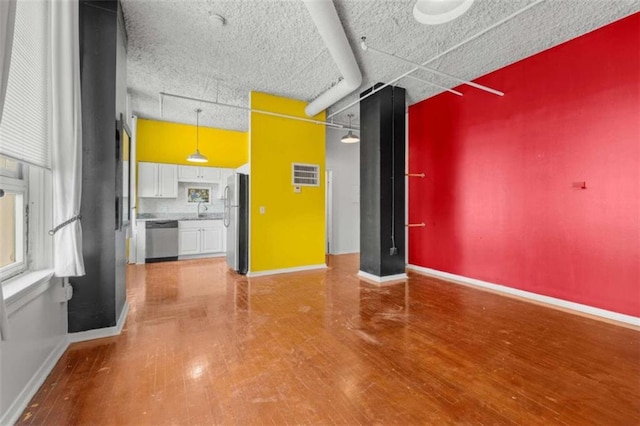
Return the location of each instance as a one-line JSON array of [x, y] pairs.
[[25, 182], [13, 218], [24, 126]]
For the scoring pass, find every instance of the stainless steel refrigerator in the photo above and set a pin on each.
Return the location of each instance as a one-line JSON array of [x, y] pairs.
[[236, 220]]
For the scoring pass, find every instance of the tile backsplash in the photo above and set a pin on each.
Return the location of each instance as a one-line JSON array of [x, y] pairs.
[[179, 204]]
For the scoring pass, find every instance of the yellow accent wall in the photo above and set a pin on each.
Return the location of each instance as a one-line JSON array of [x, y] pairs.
[[291, 232], [164, 142]]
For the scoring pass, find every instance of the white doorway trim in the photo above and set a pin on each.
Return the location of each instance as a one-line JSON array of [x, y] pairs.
[[135, 254], [328, 202]]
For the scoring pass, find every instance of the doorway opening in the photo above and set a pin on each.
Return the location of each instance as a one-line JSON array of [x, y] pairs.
[[328, 203]]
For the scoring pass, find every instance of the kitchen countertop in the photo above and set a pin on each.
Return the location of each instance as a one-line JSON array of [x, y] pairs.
[[178, 216]]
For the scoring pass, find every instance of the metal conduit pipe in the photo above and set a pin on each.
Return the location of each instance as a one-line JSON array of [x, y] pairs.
[[324, 16], [451, 49], [258, 111]]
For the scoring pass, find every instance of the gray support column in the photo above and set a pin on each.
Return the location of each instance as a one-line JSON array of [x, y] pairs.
[[95, 303], [382, 201]]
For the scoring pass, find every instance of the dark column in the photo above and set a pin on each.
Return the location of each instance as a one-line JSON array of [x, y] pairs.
[[94, 302], [382, 151]]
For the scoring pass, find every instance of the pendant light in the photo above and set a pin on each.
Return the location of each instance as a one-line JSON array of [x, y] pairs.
[[196, 157], [350, 137]]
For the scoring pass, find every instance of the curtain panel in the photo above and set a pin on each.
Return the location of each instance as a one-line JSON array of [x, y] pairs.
[[66, 137]]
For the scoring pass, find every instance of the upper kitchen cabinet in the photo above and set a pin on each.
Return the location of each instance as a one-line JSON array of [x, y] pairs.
[[224, 175], [157, 180], [198, 174]]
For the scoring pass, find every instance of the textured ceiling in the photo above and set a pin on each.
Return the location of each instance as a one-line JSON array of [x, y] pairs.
[[273, 46]]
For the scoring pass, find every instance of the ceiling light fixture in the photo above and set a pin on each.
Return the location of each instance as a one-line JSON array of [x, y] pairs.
[[434, 12], [196, 157], [350, 137]]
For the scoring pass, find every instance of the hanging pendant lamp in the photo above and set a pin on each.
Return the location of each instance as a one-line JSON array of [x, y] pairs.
[[196, 157], [350, 137]]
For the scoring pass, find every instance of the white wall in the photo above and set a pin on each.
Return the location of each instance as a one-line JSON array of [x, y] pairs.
[[344, 161], [38, 337]]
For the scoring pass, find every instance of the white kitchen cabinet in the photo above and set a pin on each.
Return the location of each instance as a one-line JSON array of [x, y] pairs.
[[189, 241], [167, 180], [188, 173], [201, 237], [211, 240], [224, 175], [210, 174], [157, 180], [198, 174], [147, 179]]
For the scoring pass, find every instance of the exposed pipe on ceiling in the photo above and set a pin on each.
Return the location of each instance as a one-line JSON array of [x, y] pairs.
[[455, 92], [324, 16], [452, 48], [367, 48], [257, 111]]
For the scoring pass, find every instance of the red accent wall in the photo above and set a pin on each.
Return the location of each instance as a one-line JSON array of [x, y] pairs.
[[498, 200]]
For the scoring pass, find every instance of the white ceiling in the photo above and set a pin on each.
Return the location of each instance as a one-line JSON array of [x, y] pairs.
[[272, 46]]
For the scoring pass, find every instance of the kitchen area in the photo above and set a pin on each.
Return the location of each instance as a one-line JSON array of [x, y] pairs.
[[245, 201], [184, 212]]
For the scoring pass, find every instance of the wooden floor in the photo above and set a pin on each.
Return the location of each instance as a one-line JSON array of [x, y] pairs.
[[204, 346]]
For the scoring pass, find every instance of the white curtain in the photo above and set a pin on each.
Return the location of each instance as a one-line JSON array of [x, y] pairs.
[[7, 19], [66, 137]]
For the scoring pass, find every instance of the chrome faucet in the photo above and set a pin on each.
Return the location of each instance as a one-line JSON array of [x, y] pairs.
[[205, 208]]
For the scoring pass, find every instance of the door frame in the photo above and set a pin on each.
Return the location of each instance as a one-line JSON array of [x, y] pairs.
[[328, 202]]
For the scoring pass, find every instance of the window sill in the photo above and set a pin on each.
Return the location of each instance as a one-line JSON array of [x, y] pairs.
[[20, 290]]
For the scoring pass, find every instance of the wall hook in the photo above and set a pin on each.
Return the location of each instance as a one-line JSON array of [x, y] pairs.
[[580, 185]]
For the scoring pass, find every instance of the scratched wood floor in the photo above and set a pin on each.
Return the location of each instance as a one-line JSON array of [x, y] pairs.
[[204, 346]]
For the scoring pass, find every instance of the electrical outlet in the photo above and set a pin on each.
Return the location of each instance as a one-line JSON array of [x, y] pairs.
[[296, 189], [393, 251], [263, 209]]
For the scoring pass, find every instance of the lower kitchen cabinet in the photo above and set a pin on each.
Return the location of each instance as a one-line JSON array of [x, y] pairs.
[[201, 237], [212, 241], [189, 241]]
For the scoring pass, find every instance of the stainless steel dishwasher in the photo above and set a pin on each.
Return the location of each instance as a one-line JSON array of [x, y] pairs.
[[161, 240]]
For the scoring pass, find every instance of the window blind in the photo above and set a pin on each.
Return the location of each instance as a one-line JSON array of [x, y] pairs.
[[24, 125]]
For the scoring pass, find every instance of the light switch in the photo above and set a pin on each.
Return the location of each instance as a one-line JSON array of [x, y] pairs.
[[262, 209]]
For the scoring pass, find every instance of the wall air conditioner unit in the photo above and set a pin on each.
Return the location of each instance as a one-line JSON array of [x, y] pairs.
[[305, 174]]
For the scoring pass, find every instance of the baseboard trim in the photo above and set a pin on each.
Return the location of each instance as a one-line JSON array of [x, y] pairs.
[[20, 403], [286, 270], [576, 308], [101, 333], [386, 280], [201, 256]]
